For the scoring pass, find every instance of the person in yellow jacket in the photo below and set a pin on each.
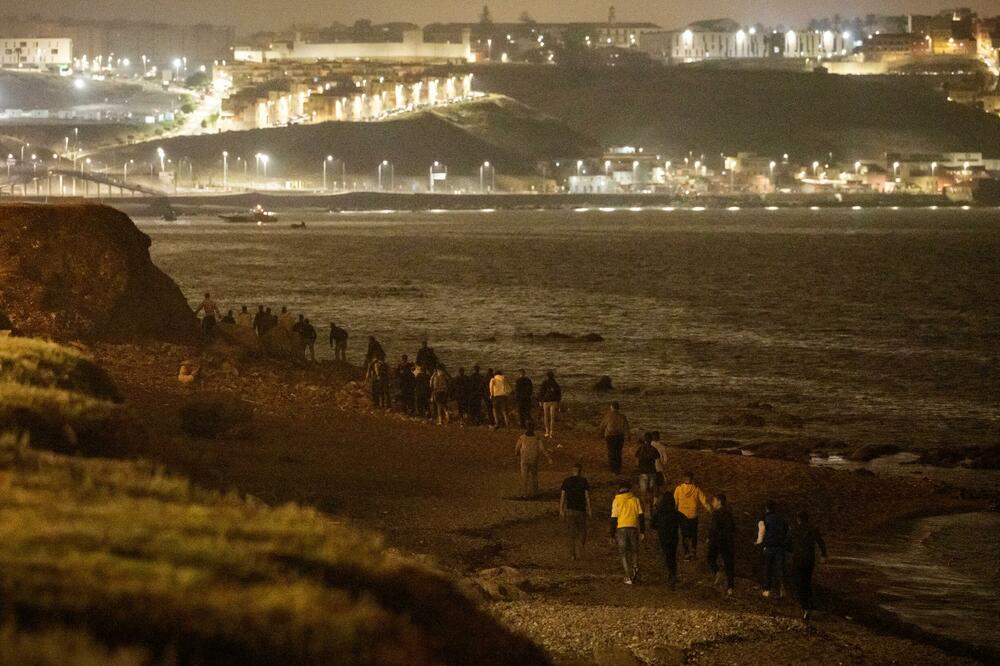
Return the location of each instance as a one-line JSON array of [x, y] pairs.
[[628, 528], [689, 498]]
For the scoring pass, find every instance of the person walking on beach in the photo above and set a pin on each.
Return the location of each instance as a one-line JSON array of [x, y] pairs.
[[614, 429], [722, 542], [406, 385], [690, 499], [260, 322], [375, 351], [667, 523], [229, 318], [487, 398], [661, 448], [646, 456], [421, 392], [211, 314], [477, 391], [426, 358], [307, 334], [439, 395], [772, 535], [628, 529], [803, 541], [550, 395], [461, 388], [523, 391], [244, 319], [529, 450], [286, 319], [338, 342], [377, 376], [500, 391], [574, 509]]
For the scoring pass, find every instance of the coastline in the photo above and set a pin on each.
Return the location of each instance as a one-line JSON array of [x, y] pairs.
[[314, 444]]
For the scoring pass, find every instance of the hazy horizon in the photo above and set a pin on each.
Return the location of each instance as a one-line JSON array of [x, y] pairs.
[[250, 15]]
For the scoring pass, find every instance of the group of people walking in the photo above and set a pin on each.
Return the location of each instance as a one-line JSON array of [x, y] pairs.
[[425, 388], [787, 551], [263, 322]]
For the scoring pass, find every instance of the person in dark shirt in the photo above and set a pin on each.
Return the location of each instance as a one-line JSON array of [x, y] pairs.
[[476, 391], [550, 395], [405, 385], [647, 456], [667, 523], [461, 391], [523, 391], [803, 540], [722, 542], [422, 392], [574, 509], [229, 318], [307, 334], [375, 351], [772, 536], [426, 358], [338, 342], [260, 321]]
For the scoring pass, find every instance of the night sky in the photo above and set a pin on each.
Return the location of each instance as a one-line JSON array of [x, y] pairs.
[[257, 14]]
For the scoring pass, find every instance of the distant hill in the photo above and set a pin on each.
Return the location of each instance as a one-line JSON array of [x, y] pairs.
[[674, 110], [501, 131]]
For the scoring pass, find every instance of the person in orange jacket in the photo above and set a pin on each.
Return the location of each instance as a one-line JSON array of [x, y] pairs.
[[689, 499]]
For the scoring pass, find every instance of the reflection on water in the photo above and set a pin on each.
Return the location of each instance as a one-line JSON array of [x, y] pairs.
[[940, 574], [866, 325]]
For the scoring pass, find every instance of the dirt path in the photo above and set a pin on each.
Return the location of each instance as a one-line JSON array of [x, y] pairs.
[[451, 493]]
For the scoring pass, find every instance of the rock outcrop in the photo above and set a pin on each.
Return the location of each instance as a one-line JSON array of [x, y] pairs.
[[80, 271]]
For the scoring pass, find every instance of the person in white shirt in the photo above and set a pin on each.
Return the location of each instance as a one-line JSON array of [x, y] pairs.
[[529, 451], [500, 391]]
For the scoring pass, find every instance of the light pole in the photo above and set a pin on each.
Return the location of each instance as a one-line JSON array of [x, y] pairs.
[[934, 168], [493, 177], [329, 158], [857, 167], [264, 159], [125, 169], [579, 167], [895, 169], [23, 146], [386, 164], [161, 154], [815, 169], [225, 170], [771, 170]]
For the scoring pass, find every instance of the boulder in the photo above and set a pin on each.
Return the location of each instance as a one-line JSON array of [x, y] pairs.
[[81, 271], [500, 583], [603, 384]]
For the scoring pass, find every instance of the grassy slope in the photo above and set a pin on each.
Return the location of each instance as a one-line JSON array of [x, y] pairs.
[[501, 131], [769, 112], [97, 554]]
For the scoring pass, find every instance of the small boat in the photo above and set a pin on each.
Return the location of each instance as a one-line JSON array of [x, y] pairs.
[[297, 225], [255, 215]]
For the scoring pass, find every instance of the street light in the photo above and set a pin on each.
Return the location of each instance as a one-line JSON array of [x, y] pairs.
[[386, 164], [815, 169], [493, 177], [895, 169], [771, 168], [933, 168], [125, 169], [225, 169], [857, 167], [329, 158], [579, 167], [264, 159], [435, 169], [161, 154]]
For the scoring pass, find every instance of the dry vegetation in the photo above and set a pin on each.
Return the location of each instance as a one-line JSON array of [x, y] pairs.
[[117, 562]]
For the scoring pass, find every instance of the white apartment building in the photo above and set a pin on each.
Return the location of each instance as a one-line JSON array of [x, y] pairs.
[[814, 44], [680, 46], [35, 52]]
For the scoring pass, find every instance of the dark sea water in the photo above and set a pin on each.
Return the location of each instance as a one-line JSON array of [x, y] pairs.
[[865, 326]]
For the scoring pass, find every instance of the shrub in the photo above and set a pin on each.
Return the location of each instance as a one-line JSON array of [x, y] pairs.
[[43, 364]]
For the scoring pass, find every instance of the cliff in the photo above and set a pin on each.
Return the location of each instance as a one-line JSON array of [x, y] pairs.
[[83, 272]]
